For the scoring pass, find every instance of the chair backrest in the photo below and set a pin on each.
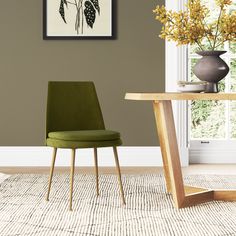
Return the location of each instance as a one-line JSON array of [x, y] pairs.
[[73, 106]]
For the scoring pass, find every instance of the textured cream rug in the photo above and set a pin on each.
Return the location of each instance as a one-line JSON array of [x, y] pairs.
[[3, 177], [149, 209]]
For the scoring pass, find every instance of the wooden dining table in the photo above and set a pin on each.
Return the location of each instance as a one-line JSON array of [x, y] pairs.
[[183, 195]]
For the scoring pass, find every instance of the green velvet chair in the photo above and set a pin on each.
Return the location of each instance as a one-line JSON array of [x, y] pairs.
[[74, 120]]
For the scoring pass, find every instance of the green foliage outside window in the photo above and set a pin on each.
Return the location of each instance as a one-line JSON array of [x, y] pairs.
[[208, 119]]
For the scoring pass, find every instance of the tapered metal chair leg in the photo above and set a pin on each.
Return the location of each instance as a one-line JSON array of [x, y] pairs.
[[119, 174], [72, 170], [96, 169], [51, 172]]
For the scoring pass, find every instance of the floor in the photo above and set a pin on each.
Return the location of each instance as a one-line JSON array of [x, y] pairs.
[[224, 169]]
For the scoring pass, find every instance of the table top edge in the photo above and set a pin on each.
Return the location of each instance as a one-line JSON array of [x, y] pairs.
[[180, 96]]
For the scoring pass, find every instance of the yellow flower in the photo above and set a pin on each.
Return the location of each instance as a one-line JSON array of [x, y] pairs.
[[227, 27], [190, 27], [223, 3]]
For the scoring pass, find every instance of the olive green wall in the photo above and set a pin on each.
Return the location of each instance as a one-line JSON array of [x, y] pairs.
[[131, 63]]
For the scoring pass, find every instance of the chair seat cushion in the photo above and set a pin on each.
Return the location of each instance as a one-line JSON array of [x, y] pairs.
[[85, 135], [82, 144]]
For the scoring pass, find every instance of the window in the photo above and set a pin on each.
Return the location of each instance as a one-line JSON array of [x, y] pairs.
[[213, 121], [201, 141]]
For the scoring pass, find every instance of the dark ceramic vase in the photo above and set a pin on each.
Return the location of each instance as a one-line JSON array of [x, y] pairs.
[[211, 68]]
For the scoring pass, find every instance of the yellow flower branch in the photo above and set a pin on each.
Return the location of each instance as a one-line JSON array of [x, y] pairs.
[[217, 27], [190, 27]]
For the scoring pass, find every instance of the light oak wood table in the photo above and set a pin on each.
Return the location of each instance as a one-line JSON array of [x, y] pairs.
[[183, 195]]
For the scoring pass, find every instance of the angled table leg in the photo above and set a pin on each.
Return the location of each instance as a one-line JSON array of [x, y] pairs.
[[169, 149], [183, 196]]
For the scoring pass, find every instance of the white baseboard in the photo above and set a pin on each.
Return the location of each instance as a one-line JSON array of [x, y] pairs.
[[212, 156], [41, 156]]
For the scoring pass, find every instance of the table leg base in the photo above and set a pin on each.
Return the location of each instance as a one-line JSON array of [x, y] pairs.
[[183, 196], [225, 195], [195, 195]]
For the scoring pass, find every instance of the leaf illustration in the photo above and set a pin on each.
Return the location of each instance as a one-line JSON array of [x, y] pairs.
[[62, 10], [65, 2], [90, 13], [96, 5]]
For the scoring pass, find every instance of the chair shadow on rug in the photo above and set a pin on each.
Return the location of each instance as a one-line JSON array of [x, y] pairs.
[[74, 120]]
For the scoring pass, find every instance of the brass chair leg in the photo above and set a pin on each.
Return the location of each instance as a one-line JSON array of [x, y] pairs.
[[72, 170], [119, 175], [51, 172], [96, 169]]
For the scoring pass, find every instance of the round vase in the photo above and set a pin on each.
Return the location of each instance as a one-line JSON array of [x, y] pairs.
[[211, 68]]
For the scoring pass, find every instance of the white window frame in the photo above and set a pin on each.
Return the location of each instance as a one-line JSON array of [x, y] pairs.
[[176, 69]]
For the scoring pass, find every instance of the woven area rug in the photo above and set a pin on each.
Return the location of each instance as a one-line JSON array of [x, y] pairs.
[[149, 209], [3, 177]]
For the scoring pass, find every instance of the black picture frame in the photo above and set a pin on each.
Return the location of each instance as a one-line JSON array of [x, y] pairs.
[[46, 36]]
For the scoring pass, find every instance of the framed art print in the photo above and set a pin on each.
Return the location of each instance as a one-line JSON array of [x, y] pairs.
[[77, 19]]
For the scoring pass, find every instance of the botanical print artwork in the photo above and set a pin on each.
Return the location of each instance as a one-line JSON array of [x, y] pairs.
[[77, 18], [85, 10]]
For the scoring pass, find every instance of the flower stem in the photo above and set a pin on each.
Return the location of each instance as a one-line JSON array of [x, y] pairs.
[[217, 29], [82, 11], [199, 45], [205, 24]]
